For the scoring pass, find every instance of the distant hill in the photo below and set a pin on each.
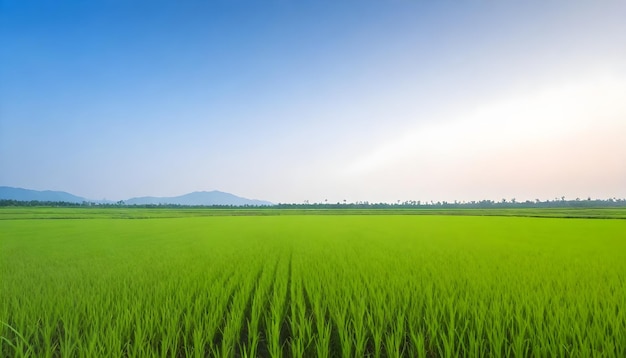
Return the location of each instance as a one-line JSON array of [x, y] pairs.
[[19, 194], [198, 198]]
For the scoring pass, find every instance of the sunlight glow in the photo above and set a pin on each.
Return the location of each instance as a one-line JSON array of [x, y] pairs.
[[551, 113]]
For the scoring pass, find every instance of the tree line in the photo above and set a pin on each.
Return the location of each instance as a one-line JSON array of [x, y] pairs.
[[408, 204]]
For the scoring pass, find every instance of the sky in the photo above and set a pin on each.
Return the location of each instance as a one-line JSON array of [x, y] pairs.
[[287, 101]]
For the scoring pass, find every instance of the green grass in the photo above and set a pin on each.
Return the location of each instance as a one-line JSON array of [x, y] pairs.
[[312, 285], [12, 213]]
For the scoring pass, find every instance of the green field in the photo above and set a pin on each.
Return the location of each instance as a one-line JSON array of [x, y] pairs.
[[208, 283], [10, 213]]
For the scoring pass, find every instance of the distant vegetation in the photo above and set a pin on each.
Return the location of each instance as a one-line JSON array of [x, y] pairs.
[[482, 204], [408, 204]]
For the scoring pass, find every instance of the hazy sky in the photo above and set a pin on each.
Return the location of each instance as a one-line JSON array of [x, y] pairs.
[[287, 101]]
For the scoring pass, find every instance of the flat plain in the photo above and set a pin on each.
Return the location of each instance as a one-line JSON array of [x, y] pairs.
[[174, 283]]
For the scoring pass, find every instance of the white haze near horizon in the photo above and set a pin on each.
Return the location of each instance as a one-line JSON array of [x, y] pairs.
[[566, 138]]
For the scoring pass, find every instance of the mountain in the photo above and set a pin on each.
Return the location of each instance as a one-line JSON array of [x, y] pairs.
[[198, 198], [7, 192]]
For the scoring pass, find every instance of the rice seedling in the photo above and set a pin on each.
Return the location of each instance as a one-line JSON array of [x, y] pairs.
[[313, 285]]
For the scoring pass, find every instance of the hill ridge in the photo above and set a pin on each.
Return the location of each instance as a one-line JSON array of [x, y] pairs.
[[195, 198]]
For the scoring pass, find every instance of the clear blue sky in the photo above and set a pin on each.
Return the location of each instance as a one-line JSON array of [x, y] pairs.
[[311, 100]]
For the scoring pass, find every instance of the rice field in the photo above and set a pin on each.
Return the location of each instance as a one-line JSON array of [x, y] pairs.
[[313, 286]]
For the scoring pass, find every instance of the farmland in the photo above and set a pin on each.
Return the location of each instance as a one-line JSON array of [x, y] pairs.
[[174, 283]]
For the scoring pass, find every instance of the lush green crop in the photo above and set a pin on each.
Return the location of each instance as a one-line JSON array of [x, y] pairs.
[[97, 212], [351, 286]]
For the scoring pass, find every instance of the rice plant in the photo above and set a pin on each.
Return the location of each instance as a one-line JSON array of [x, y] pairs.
[[313, 286]]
